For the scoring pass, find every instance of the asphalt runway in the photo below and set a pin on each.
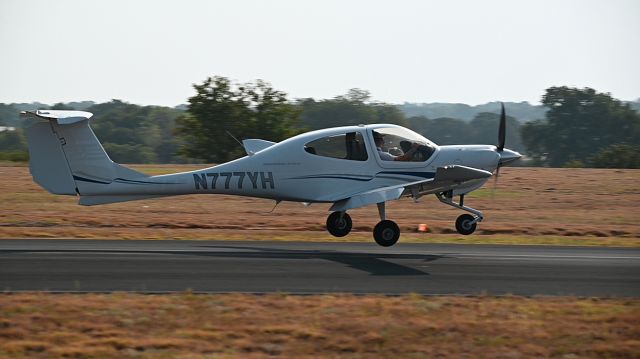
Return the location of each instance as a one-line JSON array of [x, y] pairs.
[[302, 267]]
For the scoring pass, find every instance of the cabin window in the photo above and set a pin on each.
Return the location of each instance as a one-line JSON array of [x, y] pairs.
[[346, 146]]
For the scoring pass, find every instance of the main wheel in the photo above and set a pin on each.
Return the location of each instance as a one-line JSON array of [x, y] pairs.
[[386, 233], [465, 224], [339, 227]]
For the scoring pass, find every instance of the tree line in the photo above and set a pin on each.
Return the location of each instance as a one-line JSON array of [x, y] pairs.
[[583, 127], [578, 127]]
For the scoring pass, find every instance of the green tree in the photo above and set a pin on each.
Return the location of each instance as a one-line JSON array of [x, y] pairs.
[[353, 108], [167, 145], [13, 140], [484, 129], [136, 134], [129, 133], [617, 156], [273, 117], [386, 113], [127, 153], [8, 115], [246, 111], [578, 125], [534, 136], [61, 106], [442, 131], [13, 146]]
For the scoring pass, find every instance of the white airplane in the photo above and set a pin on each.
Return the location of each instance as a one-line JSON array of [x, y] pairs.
[[350, 167]]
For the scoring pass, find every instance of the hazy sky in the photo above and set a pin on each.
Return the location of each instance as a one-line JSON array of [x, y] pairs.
[[151, 52]]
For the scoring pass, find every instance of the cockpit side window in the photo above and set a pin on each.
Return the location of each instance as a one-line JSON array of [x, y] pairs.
[[346, 146]]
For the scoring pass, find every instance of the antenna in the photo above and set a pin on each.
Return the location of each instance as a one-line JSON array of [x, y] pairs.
[[232, 136], [276, 205]]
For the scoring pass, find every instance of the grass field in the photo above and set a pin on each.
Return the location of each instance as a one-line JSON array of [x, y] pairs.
[[529, 206], [241, 325]]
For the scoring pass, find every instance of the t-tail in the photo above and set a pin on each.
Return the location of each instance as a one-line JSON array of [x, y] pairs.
[[65, 155]]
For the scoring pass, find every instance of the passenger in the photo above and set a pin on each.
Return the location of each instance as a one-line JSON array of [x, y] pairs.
[[386, 156]]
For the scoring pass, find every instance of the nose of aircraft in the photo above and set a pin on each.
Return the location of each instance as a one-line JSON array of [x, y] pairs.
[[508, 156]]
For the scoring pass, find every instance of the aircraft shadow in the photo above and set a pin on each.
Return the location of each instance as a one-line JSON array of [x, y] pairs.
[[374, 263], [377, 264]]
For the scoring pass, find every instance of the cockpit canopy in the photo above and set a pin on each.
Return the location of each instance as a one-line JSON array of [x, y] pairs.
[[351, 144], [398, 140]]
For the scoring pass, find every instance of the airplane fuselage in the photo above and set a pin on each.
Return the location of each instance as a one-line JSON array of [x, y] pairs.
[[285, 171]]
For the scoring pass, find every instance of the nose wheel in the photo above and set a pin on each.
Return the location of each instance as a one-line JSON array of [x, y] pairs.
[[466, 224], [339, 224]]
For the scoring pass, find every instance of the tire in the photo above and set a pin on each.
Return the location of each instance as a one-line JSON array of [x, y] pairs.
[[464, 225], [386, 233], [338, 227]]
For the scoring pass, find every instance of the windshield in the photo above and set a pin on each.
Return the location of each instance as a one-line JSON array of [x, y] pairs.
[[401, 144]]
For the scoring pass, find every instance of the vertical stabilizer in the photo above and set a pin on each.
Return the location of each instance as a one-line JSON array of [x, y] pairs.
[[66, 155], [47, 161]]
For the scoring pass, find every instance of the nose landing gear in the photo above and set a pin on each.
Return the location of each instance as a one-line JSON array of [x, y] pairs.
[[466, 223]]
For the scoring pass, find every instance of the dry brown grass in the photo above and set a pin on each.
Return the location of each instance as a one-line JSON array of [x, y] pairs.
[[242, 325], [531, 205]]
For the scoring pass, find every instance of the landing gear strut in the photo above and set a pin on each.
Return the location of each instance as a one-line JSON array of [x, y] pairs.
[[466, 223], [386, 232], [339, 224]]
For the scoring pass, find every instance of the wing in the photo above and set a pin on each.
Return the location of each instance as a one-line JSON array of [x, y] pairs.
[[446, 178]]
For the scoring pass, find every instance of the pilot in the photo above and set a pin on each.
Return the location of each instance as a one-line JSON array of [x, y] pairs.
[[386, 156]]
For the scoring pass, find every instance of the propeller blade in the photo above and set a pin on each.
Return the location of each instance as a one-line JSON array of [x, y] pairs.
[[502, 131], [495, 182]]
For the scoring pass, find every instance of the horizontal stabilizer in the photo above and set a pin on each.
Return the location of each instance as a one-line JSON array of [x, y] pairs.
[[95, 200], [61, 117]]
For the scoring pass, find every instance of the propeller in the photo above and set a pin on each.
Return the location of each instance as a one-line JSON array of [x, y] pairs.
[[495, 182], [502, 131], [506, 155], [502, 134]]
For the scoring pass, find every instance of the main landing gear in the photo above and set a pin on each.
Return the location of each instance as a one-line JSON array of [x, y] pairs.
[[466, 223], [386, 233], [339, 224]]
